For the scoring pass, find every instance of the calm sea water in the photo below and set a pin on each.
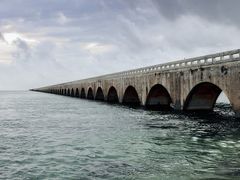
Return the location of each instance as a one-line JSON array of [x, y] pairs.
[[44, 136]]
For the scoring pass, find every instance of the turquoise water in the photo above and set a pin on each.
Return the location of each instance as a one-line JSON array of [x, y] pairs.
[[45, 136]]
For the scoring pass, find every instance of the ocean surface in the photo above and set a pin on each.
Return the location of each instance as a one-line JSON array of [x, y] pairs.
[[45, 136]]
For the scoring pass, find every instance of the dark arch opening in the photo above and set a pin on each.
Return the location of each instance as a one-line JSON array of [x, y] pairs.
[[158, 98], [202, 97], [99, 94], [72, 93], [62, 92], [90, 94], [83, 94], [130, 97], [68, 92], [77, 93], [65, 92], [112, 96]]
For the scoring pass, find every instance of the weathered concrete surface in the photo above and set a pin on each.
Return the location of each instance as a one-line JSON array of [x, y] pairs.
[[191, 84]]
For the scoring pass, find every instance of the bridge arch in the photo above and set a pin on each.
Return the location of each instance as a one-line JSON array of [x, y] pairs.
[[83, 94], [202, 97], [112, 96], [99, 94], [130, 97], [77, 93], [72, 92], [90, 94], [158, 98]]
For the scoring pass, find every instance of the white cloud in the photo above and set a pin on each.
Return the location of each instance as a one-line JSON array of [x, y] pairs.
[[62, 18], [97, 48], [13, 36]]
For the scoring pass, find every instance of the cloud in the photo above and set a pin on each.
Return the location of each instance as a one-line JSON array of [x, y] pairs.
[[47, 42], [1, 37], [219, 11]]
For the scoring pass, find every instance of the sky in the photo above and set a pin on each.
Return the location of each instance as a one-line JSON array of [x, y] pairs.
[[47, 42]]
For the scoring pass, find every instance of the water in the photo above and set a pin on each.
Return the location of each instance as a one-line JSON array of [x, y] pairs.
[[44, 136]]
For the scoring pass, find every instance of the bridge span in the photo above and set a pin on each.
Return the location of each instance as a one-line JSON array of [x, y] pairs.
[[192, 84]]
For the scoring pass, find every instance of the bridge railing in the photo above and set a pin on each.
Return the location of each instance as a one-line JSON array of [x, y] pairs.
[[202, 60], [186, 63]]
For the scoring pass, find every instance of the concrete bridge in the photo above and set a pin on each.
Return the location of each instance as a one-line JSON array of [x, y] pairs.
[[191, 85]]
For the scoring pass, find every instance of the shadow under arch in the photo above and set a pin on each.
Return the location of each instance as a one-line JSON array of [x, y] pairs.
[[99, 94], [112, 96], [90, 94], [77, 93], [65, 92], [202, 97], [83, 94], [130, 97], [158, 98], [72, 92]]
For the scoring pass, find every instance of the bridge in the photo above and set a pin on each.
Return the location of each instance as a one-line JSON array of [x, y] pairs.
[[192, 84]]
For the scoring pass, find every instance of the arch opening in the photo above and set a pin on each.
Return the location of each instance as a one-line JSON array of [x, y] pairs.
[[65, 92], [90, 94], [158, 98], [202, 97], [130, 97], [72, 93], [82, 94], [112, 96], [68, 92], [99, 94], [77, 93]]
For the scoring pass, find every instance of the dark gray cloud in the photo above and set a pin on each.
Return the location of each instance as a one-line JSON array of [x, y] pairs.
[[217, 11]]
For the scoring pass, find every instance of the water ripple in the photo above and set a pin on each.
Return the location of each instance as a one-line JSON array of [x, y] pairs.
[[53, 137]]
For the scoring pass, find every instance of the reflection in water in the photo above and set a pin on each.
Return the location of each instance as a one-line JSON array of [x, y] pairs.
[[54, 137]]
